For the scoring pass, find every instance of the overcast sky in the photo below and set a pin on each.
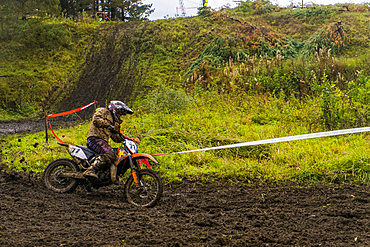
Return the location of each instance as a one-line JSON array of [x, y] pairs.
[[168, 7]]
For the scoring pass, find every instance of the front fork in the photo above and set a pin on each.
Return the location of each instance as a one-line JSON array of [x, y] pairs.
[[133, 171]]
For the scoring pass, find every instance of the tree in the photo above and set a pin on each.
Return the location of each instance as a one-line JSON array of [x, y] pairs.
[[24, 8], [73, 7], [46, 7], [135, 10], [125, 10]]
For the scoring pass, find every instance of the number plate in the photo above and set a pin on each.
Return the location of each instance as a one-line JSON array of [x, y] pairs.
[[131, 146], [77, 152]]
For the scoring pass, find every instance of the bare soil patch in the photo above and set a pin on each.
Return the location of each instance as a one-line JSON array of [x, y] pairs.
[[188, 215], [28, 126]]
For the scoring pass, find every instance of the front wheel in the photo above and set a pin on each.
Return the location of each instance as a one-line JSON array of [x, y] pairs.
[[147, 192], [57, 183]]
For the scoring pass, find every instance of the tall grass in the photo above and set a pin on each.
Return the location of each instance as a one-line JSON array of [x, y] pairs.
[[209, 120]]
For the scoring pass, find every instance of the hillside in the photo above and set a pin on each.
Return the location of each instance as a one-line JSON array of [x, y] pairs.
[[56, 64], [256, 72], [251, 73]]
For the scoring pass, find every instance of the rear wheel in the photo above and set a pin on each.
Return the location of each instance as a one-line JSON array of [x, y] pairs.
[[149, 190], [54, 181]]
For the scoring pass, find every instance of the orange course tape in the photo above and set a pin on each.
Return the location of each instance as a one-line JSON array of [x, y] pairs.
[[52, 131], [63, 114], [69, 112]]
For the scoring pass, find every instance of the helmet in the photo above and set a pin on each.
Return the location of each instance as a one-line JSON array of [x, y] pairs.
[[118, 107]]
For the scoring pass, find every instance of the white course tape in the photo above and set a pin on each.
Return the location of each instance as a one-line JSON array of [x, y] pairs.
[[284, 139]]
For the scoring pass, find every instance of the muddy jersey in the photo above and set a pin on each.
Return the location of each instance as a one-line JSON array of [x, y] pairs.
[[101, 120]]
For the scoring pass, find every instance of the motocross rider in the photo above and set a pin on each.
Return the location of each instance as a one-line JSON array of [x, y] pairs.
[[105, 124]]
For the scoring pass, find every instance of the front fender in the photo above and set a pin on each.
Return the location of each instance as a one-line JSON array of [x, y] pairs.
[[143, 156]]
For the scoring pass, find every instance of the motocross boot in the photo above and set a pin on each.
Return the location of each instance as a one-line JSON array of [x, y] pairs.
[[91, 172], [113, 167], [113, 172], [100, 163]]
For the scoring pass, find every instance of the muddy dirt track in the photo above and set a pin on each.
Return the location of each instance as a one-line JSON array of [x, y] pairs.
[[188, 215], [22, 127]]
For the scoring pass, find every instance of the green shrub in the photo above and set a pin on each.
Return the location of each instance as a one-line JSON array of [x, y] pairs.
[[333, 38], [343, 108], [165, 100], [257, 7], [313, 11], [204, 11]]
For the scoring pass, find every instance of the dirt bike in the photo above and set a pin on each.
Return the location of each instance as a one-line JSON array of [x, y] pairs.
[[142, 188]]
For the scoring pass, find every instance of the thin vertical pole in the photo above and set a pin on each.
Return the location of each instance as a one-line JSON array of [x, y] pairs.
[[46, 130]]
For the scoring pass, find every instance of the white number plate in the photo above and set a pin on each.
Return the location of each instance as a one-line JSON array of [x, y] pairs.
[[131, 146], [77, 152]]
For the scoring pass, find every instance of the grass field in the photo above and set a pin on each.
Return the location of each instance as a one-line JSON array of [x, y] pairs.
[[210, 120]]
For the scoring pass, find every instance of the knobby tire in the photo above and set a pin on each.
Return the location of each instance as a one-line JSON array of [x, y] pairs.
[[147, 195], [59, 184]]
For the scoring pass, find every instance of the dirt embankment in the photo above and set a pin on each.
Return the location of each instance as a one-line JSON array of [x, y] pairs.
[[188, 215]]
